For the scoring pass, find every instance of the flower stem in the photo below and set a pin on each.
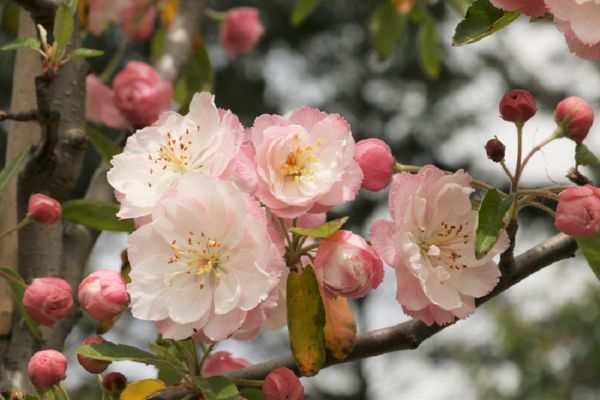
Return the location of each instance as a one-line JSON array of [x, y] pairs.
[[20, 225], [114, 62], [211, 347], [506, 171], [248, 382], [538, 205], [558, 133]]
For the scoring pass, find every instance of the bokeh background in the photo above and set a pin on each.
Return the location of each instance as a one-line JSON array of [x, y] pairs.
[[541, 340]]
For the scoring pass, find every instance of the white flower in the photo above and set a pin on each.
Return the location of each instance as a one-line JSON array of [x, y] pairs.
[[206, 139], [204, 262]]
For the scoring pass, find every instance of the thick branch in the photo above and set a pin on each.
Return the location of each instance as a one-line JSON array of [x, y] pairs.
[[42, 11], [411, 334], [178, 43]]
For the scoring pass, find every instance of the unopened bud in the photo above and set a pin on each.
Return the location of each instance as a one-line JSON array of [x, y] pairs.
[[518, 106], [575, 116], [114, 382], [89, 364], [48, 300], [495, 150], [103, 294], [43, 209], [46, 368]]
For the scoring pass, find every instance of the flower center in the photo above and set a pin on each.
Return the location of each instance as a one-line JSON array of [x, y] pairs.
[[174, 155], [297, 162], [202, 255], [443, 248]]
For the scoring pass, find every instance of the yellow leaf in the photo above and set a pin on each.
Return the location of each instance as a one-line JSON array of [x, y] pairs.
[[340, 327], [141, 389]]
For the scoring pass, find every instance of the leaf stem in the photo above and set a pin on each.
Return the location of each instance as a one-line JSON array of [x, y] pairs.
[[20, 225], [248, 382]]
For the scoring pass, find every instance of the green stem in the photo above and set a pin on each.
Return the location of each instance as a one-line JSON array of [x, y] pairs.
[[538, 193], [308, 248], [248, 382], [558, 133], [538, 205], [20, 225], [211, 347], [13, 280], [515, 183], [219, 16], [61, 389], [114, 62], [506, 171]]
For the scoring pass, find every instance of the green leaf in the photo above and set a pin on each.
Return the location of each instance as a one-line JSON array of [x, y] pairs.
[[199, 76], [17, 286], [63, 29], [22, 43], [482, 20], [157, 44], [306, 320], [84, 52], [302, 9], [109, 351], [12, 168], [10, 19], [106, 147], [387, 28], [429, 48], [97, 215], [252, 394], [216, 388], [491, 221], [590, 247], [584, 156], [321, 231]]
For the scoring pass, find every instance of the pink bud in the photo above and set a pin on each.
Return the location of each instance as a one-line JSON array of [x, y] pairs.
[[89, 364], [103, 294], [47, 368], [347, 266], [241, 30], [220, 362], [140, 93], [282, 383], [376, 161], [518, 106], [43, 209], [48, 299], [532, 8], [495, 150], [114, 382], [137, 20], [578, 211], [576, 116]]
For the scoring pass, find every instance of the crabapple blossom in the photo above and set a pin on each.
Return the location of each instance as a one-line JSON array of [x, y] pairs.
[[43, 209], [376, 162], [575, 116], [222, 361], [137, 20], [103, 294], [241, 30], [102, 13], [48, 300], [282, 383], [532, 8], [304, 162], [46, 368], [578, 211], [430, 242], [579, 21], [207, 139], [91, 365], [517, 106], [204, 262], [347, 266]]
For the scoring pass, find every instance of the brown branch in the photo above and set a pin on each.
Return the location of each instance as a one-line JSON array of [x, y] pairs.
[[179, 39]]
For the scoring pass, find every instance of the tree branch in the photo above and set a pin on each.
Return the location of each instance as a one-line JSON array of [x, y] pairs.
[[179, 39]]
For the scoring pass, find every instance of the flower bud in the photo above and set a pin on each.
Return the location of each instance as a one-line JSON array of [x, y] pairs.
[[347, 266], [575, 116], [518, 106], [578, 211], [220, 362], [137, 20], [114, 382], [103, 294], [241, 30], [375, 159], [46, 368], [89, 364], [43, 209], [282, 383], [47, 300], [495, 150]]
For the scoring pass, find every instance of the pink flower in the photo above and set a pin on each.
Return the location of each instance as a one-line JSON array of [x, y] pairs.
[[46, 368], [220, 362], [89, 364], [102, 13], [579, 21], [103, 294], [282, 383], [204, 262], [43, 209], [532, 8], [48, 299], [137, 97], [114, 382], [578, 211], [376, 162], [206, 139], [517, 106], [347, 266], [430, 242], [575, 116], [137, 20], [241, 30], [304, 162]]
